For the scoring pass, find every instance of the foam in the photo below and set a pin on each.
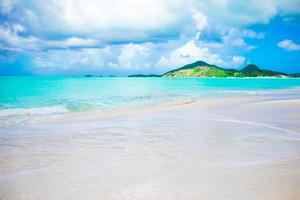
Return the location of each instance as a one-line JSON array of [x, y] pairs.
[[33, 111]]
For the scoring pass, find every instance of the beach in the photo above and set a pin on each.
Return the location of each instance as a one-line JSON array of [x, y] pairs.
[[241, 147], [149, 100]]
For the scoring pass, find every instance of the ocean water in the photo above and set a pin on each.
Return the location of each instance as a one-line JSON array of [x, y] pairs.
[[48, 95]]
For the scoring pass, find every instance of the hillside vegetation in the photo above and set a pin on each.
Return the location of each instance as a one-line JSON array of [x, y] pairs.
[[203, 69]]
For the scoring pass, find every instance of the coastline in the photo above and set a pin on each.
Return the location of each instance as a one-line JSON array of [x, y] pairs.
[[215, 148], [61, 114]]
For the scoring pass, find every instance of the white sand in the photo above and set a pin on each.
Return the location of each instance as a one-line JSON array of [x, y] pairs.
[[228, 148]]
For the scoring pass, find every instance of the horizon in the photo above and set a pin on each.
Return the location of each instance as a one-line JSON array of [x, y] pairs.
[[149, 37], [114, 75]]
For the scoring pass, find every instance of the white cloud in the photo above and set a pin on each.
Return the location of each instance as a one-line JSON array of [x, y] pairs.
[[288, 6], [6, 5], [187, 53], [288, 45], [252, 34], [193, 51], [61, 60], [147, 14], [132, 20], [241, 13], [200, 20], [239, 42], [106, 20], [134, 57], [237, 61], [75, 41], [135, 20], [128, 57], [10, 39], [234, 38], [154, 34], [131, 57]]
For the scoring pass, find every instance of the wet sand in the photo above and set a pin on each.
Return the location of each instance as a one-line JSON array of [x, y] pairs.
[[225, 148]]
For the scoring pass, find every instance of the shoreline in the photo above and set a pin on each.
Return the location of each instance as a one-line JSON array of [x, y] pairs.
[[275, 94], [216, 148], [208, 102]]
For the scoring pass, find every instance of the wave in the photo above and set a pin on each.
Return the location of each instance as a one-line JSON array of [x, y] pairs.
[[33, 111], [75, 107]]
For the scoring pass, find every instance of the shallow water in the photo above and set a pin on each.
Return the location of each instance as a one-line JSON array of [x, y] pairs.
[[48, 95]]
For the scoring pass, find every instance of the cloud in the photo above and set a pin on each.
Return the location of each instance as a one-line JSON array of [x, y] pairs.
[[239, 42], [234, 38], [78, 42], [132, 21], [288, 45], [11, 39], [252, 34], [240, 13], [135, 20], [200, 20], [193, 51], [133, 57], [127, 57], [64, 60], [136, 35], [237, 61], [125, 20], [6, 5]]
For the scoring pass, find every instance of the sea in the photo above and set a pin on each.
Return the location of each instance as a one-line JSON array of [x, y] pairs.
[[38, 95]]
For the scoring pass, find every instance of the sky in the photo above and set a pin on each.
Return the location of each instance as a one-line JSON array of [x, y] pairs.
[[121, 37]]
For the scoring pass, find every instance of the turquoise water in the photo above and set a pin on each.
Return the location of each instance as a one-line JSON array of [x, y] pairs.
[[43, 95]]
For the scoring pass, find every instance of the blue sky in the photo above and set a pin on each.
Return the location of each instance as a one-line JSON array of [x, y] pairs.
[[121, 37]]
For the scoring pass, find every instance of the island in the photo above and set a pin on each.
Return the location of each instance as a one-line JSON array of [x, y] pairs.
[[203, 69], [296, 75], [144, 75], [92, 76]]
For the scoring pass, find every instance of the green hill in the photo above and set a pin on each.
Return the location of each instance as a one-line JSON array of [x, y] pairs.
[[296, 75], [254, 71], [203, 69]]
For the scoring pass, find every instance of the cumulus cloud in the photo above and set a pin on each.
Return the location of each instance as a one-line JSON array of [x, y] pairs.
[[200, 20], [252, 34], [128, 57], [58, 60], [134, 57], [234, 38], [288, 45], [131, 20], [187, 53], [10, 38], [78, 42], [6, 5], [106, 20], [237, 61], [134, 34], [131, 57], [240, 13], [239, 42], [193, 51]]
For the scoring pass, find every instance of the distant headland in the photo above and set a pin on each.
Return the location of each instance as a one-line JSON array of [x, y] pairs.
[[203, 69]]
